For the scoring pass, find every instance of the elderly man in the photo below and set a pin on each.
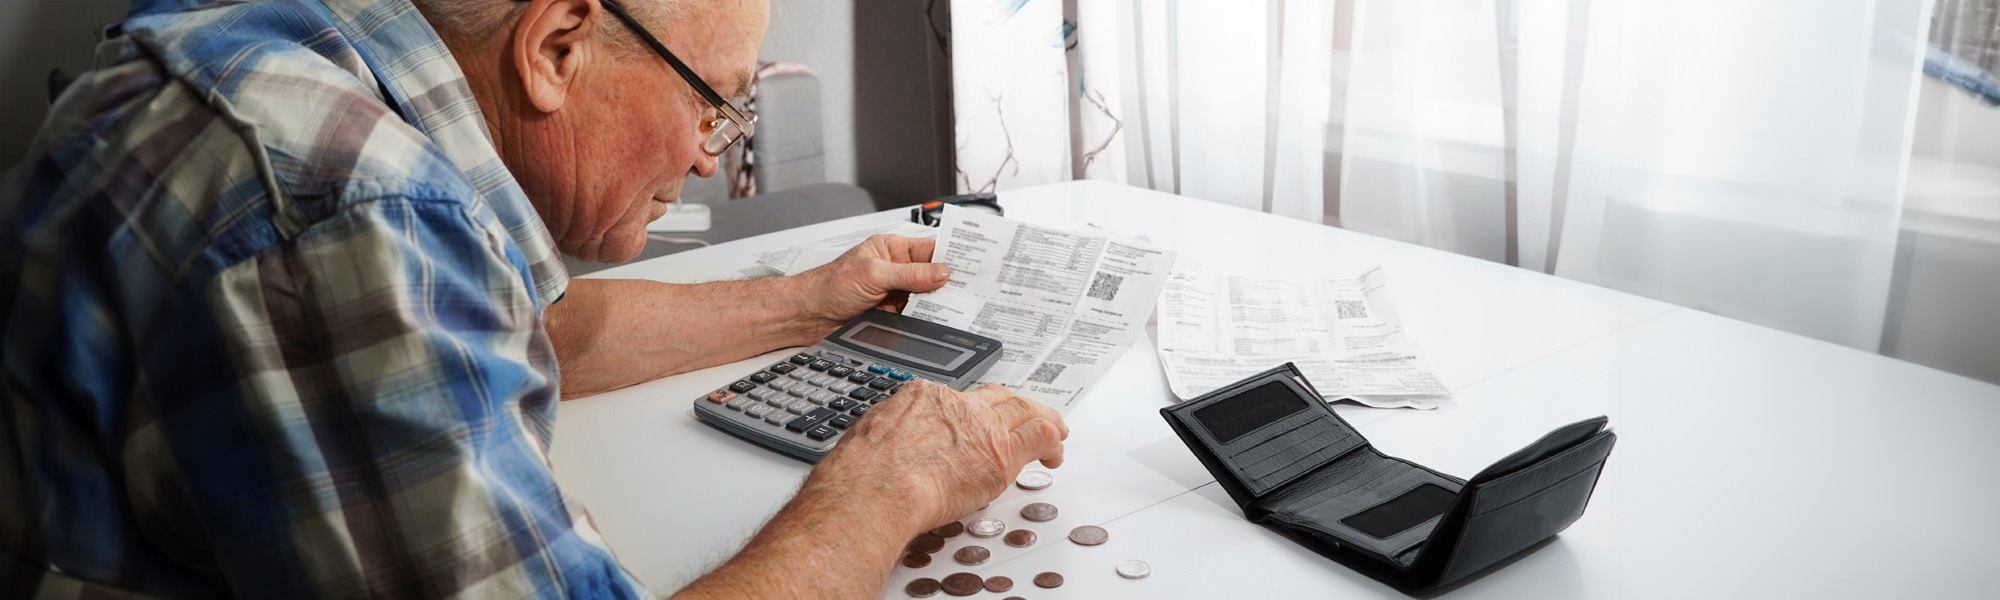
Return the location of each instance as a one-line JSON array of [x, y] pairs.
[[284, 314]]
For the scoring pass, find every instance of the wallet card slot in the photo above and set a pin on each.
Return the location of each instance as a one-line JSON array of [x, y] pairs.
[[1260, 450], [1526, 481], [1326, 516]]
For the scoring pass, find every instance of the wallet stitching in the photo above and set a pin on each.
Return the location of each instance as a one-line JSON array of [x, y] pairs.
[[1578, 447], [1531, 495], [1303, 423]]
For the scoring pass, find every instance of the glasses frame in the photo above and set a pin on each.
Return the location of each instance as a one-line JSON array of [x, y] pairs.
[[741, 123]]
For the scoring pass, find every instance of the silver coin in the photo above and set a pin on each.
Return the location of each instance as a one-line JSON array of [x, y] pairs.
[[986, 528], [1039, 512], [1034, 480], [1134, 569]]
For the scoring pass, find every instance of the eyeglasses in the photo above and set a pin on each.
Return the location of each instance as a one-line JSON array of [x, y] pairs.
[[730, 123]]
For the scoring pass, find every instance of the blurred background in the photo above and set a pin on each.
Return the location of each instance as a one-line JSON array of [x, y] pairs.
[[1829, 168]]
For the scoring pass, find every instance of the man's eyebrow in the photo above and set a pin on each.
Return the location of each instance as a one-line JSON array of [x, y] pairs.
[[739, 85]]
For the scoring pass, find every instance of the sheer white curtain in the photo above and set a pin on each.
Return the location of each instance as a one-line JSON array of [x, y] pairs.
[[1743, 157]]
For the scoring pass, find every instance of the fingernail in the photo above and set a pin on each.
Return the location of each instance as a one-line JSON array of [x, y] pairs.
[[940, 271]]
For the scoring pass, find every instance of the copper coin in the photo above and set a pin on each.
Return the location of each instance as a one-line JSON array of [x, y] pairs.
[[999, 584], [963, 584], [1020, 538], [972, 555], [916, 560], [1049, 579], [923, 587], [949, 530], [1089, 535], [927, 543], [986, 528], [1039, 512]]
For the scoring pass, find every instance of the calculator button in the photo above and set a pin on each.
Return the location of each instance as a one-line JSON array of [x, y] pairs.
[[841, 422], [758, 410], [820, 433], [801, 390], [840, 404], [878, 368], [839, 371], [823, 380], [800, 407], [802, 359], [820, 365], [900, 375], [742, 386], [783, 368], [890, 391], [809, 420], [881, 383], [840, 388], [862, 394], [720, 396], [761, 377], [778, 400], [861, 377], [740, 402], [820, 397], [761, 393], [859, 410], [800, 374], [779, 417]]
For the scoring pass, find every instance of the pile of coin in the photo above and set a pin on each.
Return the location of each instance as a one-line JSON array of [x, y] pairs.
[[918, 554]]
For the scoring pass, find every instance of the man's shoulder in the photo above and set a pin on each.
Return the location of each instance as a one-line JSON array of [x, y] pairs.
[[286, 79]]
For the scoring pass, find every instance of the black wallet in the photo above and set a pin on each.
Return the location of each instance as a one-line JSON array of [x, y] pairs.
[[1292, 464]]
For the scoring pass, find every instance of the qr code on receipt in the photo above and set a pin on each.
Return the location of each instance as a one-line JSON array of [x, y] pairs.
[[1105, 286], [1047, 373], [1350, 309]]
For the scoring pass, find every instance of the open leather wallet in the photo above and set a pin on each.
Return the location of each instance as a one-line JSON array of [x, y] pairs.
[[1292, 464]]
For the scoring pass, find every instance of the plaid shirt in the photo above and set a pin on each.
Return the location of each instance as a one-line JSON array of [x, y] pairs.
[[270, 314]]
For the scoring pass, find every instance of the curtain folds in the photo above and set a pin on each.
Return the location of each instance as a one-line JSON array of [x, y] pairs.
[[1746, 158]]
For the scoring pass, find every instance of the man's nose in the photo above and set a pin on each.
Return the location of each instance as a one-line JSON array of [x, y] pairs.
[[706, 165]]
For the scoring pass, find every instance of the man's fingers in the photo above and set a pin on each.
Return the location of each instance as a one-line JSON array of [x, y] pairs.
[[913, 277], [902, 249], [1038, 439]]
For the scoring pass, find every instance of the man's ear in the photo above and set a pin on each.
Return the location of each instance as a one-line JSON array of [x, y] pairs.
[[552, 42]]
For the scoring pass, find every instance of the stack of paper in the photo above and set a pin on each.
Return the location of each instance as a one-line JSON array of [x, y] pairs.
[[1344, 334], [1066, 304]]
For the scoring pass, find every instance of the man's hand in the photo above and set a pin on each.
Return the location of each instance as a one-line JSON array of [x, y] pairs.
[[878, 273], [952, 452], [924, 457]]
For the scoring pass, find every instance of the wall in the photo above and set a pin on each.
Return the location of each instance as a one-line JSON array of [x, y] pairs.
[[36, 36]]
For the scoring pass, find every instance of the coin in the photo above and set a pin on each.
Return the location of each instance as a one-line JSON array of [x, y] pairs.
[[927, 543], [963, 584], [916, 560], [1039, 512], [1049, 579], [923, 587], [999, 584], [1020, 538], [972, 555], [1089, 535], [986, 528], [1034, 480], [948, 530], [1134, 569]]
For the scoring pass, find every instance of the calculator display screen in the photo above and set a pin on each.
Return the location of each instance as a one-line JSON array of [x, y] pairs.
[[908, 345]]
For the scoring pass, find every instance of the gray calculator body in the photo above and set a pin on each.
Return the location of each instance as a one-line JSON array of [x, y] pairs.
[[800, 406]]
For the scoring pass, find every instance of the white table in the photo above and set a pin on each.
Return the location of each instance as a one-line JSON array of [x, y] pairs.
[[1750, 462]]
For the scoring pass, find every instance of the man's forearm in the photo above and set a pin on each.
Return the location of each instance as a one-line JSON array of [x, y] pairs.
[[613, 333], [830, 541]]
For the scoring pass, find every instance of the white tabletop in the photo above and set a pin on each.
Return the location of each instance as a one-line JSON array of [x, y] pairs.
[[1750, 461]]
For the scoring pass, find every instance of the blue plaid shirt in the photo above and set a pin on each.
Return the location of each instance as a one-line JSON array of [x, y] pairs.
[[270, 308]]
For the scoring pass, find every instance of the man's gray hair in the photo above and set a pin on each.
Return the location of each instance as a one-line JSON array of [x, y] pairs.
[[478, 20]]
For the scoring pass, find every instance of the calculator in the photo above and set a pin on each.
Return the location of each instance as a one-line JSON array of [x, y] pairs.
[[801, 405]]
